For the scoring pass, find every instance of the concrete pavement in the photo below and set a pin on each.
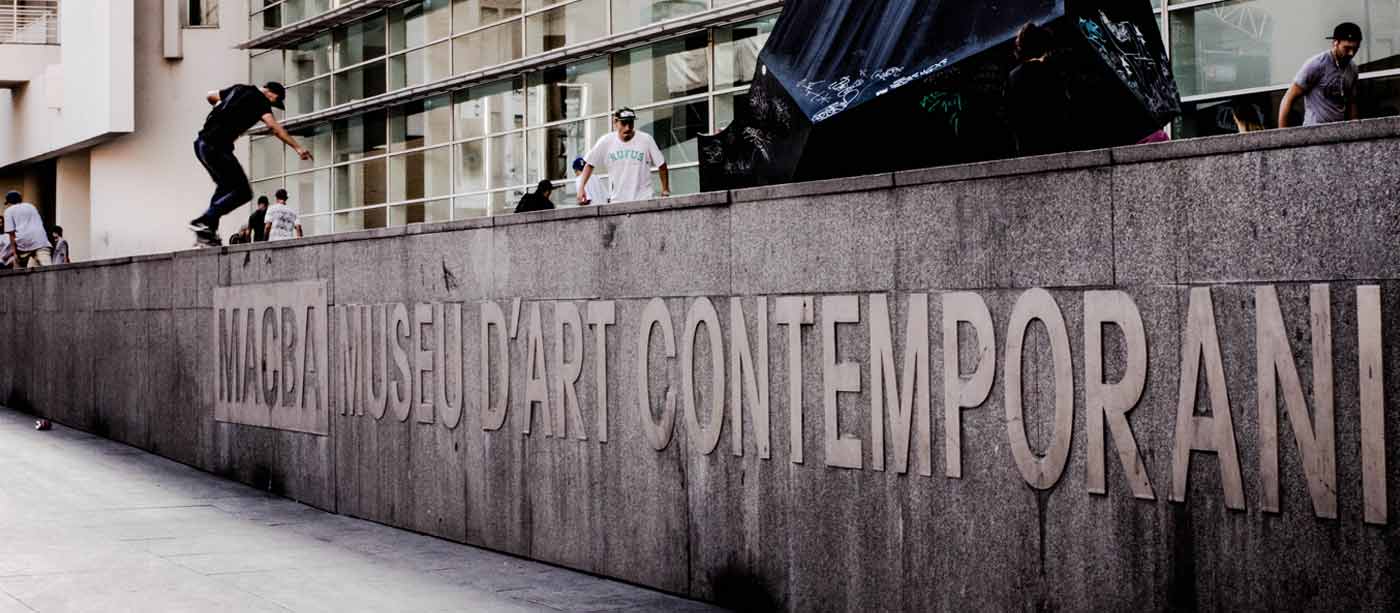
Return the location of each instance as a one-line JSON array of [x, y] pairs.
[[87, 524]]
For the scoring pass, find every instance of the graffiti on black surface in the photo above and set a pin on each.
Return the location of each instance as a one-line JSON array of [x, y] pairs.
[[945, 103], [1143, 69]]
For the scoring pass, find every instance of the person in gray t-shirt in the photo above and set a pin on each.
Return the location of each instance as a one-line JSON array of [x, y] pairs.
[[1327, 82]]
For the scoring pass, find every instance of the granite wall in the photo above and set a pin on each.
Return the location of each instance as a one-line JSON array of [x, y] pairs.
[[126, 349]]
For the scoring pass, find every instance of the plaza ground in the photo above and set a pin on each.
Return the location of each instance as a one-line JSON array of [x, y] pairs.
[[87, 524]]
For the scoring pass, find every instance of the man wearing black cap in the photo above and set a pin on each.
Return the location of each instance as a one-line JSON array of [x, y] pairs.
[[629, 154], [236, 109], [1327, 82]]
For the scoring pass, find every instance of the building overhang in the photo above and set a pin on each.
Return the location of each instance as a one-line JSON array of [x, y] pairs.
[[617, 42], [293, 34]]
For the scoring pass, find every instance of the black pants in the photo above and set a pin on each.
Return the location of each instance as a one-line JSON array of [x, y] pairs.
[[231, 183]]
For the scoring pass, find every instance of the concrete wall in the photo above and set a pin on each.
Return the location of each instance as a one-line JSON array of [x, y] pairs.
[[124, 349]]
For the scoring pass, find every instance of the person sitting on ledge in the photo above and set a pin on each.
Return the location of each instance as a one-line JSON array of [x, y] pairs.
[[538, 200]]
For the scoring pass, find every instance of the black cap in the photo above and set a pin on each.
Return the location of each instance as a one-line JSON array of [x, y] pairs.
[[1347, 31], [281, 92], [13, 197], [625, 114], [544, 187], [262, 199], [281, 195]]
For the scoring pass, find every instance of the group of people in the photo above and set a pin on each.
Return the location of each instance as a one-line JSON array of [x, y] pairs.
[[1041, 111], [628, 154], [270, 223], [25, 242]]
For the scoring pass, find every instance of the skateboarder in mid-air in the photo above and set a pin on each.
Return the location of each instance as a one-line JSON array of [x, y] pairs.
[[236, 109]]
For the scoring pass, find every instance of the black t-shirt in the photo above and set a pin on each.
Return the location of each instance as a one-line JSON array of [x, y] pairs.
[[257, 222], [533, 202], [1040, 108], [239, 107]]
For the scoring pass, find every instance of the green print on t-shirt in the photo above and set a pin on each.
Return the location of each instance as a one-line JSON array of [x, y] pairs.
[[627, 154]]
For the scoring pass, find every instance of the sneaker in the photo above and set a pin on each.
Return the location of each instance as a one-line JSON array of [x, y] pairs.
[[43, 424], [199, 227]]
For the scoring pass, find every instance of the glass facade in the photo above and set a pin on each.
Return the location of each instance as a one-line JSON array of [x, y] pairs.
[[476, 151], [1234, 59]]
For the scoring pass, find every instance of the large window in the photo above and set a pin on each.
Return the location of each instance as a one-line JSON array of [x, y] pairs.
[[477, 150]]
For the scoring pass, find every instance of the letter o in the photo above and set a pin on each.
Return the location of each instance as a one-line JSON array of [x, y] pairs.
[[705, 438], [659, 433], [1041, 472]]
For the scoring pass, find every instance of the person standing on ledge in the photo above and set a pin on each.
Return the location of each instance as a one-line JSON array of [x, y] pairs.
[[26, 232], [236, 109], [1037, 100], [283, 222], [60, 246], [629, 156], [258, 220], [597, 188], [1327, 82]]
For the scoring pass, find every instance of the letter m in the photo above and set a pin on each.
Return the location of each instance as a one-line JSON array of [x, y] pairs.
[[228, 355], [908, 404]]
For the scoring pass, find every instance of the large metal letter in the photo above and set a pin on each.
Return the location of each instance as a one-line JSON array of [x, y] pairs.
[[1372, 374], [1114, 401], [1041, 472], [1215, 434], [837, 377], [399, 331], [749, 375], [493, 416], [312, 375], [536, 375], [568, 369], [424, 390], [704, 437], [659, 433], [376, 370], [600, 316], [248, 390], [270, 365], [228, 355], [1316, 442], [907, 405], [958, 394], [449, 395], [795, 312], [290, 369]]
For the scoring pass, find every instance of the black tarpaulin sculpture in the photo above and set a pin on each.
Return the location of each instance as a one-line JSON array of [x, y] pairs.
[[850, 87]]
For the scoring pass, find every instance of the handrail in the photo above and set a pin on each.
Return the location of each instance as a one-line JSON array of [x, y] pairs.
[[29, 22]]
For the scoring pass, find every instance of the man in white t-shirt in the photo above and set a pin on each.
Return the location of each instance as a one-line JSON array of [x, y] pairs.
[[629, 155], [282, 222], [26, 232]]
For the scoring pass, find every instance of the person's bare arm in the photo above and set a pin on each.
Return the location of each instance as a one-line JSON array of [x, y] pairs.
[[267, 228], [1286, 108], [1353, 111], [282, 135], [583, 185], [665, 181], [299, 235], [212, 97]]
